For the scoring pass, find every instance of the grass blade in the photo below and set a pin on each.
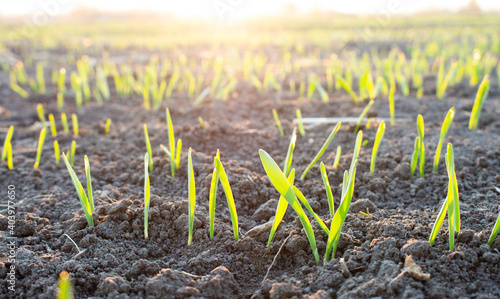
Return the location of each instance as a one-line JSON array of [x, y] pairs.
[[289, 154], [494, 232], [147, 195], [81, 193], [363, 114], [41, 140], [7, 142], [57, 152], [171, 141], [414, 156], [213, 197], [322, 150], [337, 157], [420, 128], [281, 184], [306, 204], [229, 195], [378, 139], [281, 209], [300, 124], [329, 194], [64, 287], [178, 151], [148, 147], [74, 118], [89, 183], [481, 95], [444, 129], [278, 123], [192, 196]]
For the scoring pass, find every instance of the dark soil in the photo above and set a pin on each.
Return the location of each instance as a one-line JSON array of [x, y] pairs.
[[117, 262]]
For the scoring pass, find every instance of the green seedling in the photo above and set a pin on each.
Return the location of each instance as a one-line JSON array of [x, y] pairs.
[[64, 121], [378, 139], [282, 203], [229, 195], [302, 88], [442, 85], [202, 123], [108, 125], [280, 209], [174, 154], [147, 195], [337, 157], [414, 156], [347, 87], [87, 205], [6, 142], [10, 163], [322, 150], [421, 154], [345, 202], [444, 129], [65, 287], [57, 151], [192, 196], [41, 114], [202, 96], [392, 90], [74, 119], [450, 204], [72, 153], [61, 86], [363, 114], [494, 232], [481, 95], [213, 195], [41, 140], [53, 127], [289, 154], [306, 204], [329, 195], [278, 123], [280, 182], [300, 124], [148, 147], [60, 101]]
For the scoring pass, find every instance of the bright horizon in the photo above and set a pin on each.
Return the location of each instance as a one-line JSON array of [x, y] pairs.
[[240, 9]]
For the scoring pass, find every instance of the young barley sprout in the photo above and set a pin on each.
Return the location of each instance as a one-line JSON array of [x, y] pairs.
[[74, 118], [363, 114], [337, 157], [450, 204], [280, 209], [57, 152], [64, 121], [213, 197], [65, 287], [494, 232], [108, 125], [10, 163], [278, 123], [378, 139], [300, 123], [414, 156], [481, 95], [6, 142], [41, 140], [148, 147], [329, 195], [171, 140], [444, 129], [53, 127], [229, 196], [84, 200], [147, 195], [280, 182], [322, 150], [420, 128], [192, 196]]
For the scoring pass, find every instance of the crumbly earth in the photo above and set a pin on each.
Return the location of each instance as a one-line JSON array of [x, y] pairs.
[[113, 260]]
